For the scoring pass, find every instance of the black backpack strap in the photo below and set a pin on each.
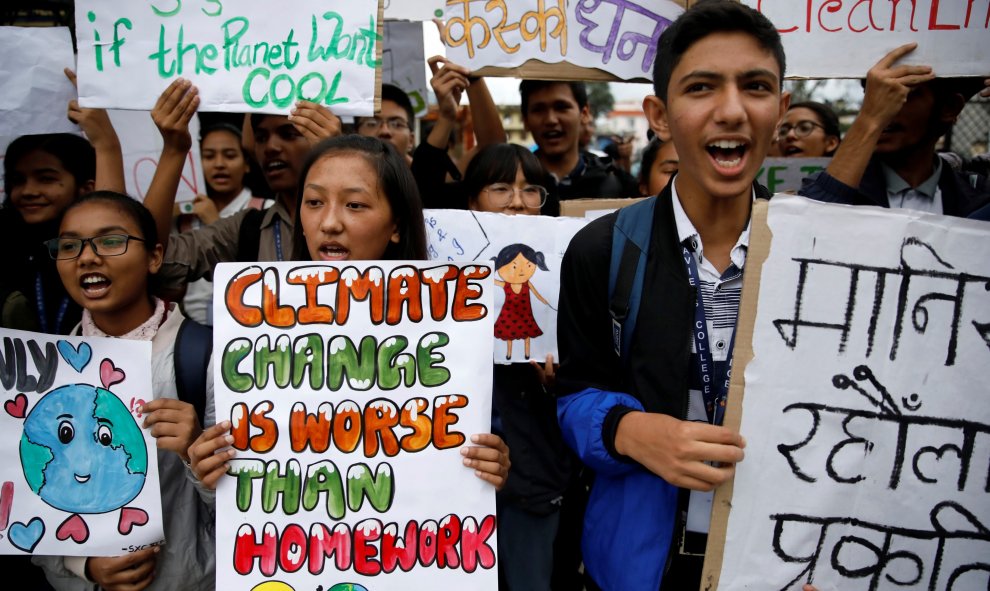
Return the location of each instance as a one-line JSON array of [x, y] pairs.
[[249, 239], [193, 348]]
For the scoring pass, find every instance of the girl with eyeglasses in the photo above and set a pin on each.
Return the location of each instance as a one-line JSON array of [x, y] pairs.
[[357, 201], [809, 130], [107, 253], [533, 508]]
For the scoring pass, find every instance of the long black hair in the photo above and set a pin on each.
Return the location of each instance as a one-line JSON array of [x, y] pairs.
[[396, 182]]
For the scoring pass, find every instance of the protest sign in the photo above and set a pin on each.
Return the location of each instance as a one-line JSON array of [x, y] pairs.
[[865, 406], [403, 57], [597, 39], [83, 480], [785, 174], [243, 55], [350, 389], [527, 271], [36, 92], [592, 208], [141, 145], [413, 10], [951, 35]]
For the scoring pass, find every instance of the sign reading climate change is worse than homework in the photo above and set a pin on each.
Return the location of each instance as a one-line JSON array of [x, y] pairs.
[[248, 55], [350, 390]]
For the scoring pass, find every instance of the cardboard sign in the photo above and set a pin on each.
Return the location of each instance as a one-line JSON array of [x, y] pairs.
[[865, 412], [951, 35], [781, 175], [351, 389], [81, 476], [525, 308], [618, 37], [36, 92], [243, 56], [403, 57], [593, 208]]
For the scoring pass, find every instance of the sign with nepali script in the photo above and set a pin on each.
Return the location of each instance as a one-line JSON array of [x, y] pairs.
[[953, 36], [866, 410], [80, 474], [351, 389], [243, 56], [616, 36]]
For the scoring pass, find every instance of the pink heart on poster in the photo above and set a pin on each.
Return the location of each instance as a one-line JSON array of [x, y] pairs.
[[75, 528], [17, 407], [109, 374], [129, 518]]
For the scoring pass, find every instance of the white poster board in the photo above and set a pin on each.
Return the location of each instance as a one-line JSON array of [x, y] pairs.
[[403, 56], [413, 10], [781, 175], [952, 35], [526, 328], [866, 410], [351, 389], [34, 92], [243, 56], [81, 476], [141, 145], [617, 36]]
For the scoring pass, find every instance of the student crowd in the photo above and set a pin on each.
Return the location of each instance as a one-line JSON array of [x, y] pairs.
[[609, 448]]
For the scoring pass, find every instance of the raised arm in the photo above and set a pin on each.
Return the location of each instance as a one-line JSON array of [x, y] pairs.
[[449, 82], [96, 124], [887, 89], [171, 114]]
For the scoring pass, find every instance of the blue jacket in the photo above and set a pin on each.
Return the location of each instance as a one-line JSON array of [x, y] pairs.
[[630, 520]]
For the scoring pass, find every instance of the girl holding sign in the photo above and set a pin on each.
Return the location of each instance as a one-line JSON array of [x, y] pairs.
[[508, 179], [357, 201], [107, 253]]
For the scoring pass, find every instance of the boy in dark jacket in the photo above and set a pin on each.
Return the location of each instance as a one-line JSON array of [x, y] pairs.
[[645, 421]]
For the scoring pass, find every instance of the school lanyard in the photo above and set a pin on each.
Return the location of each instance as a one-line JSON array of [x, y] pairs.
[[714, 388], [39, 294], [277, 230]]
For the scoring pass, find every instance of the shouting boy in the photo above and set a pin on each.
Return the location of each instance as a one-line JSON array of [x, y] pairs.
[[643, 385]]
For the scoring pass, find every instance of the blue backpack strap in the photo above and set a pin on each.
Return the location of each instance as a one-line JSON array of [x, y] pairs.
[[193, 348], [630, 244]]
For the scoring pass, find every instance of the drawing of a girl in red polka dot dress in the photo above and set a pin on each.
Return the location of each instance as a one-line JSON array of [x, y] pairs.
[[516, 264]]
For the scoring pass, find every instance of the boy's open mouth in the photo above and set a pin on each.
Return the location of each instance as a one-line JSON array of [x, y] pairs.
[[727, 153], [94, 284]]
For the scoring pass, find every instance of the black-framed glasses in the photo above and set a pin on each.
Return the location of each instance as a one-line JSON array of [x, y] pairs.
[[801, 130], [371, 124], [500, 195], [108, 245]]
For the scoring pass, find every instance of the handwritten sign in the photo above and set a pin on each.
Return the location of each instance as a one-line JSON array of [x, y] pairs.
[[81, 476], [403, 57], [350, 389], [413, 10], [526, 301], [242, 55], [35, 90], [785, 174], [866, 408], [951, 35], [617, 36]]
